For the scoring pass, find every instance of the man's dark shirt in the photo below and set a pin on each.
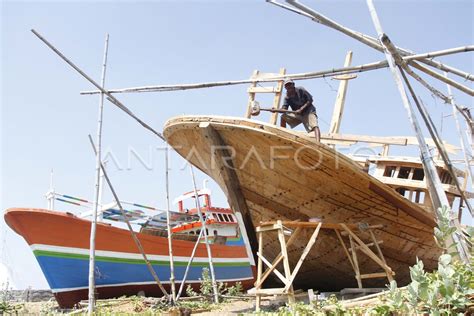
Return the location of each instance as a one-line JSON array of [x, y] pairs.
[[298, 100]]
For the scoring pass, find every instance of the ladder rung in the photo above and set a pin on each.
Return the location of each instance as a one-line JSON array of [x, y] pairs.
[[368, 245], [373, 275]]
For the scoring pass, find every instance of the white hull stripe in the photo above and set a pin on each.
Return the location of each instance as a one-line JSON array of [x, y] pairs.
[[127, 255]]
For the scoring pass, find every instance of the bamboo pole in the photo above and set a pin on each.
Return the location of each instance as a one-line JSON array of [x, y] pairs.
[[372, 42], [91, 306], [111, 98], [437, 195], [190, 261], [132, 232], [464, 146], [297, 76], [424, 113], [208, 247], [170, 232]]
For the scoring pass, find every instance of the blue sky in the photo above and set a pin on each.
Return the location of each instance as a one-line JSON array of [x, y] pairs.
[[45, 122]]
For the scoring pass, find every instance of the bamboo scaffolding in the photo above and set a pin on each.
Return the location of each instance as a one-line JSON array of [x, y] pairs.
[[372, 42], [424, 113], [132, 232], [437, 195], [111, 98], [90, 308], [464, 145], [298, 76], [170, 232], [204, 228], [190, 261]]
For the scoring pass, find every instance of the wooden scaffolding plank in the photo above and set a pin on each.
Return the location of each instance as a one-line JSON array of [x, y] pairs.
[[277, 99], [248, 113], [308, 247]]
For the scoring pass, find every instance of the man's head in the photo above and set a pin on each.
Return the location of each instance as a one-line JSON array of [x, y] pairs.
[[289, 86]]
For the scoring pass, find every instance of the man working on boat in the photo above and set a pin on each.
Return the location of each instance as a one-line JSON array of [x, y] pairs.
[[301, 102]]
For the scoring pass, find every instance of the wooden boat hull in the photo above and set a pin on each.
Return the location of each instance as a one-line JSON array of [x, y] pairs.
[[60, 243], [282, 174]]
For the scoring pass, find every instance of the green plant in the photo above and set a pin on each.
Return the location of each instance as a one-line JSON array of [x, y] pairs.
[[235, 290], [206, 283]]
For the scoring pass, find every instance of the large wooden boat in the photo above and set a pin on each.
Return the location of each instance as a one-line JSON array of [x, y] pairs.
[[60, 243], [273, 173]]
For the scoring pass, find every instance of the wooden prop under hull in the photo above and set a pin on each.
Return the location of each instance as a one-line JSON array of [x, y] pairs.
[[272, 173]]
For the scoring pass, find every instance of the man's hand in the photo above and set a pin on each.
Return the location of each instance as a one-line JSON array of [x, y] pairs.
[[299, 111]]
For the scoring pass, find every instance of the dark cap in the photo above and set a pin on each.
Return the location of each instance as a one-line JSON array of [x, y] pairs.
[[288, 81]]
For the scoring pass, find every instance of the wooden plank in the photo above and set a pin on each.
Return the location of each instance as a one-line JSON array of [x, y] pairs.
[[368, 245], [373, 275], [340, 100], [259, 271], [345, 249], [248, 113], [286, 265], [367, 250], [272, 291], [278, 273], [306, 250], [377, 243], [277, 259], [356, 263], [277, 99]]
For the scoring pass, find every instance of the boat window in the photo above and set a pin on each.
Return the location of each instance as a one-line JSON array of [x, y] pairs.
[[231, 218], [419, 197], [401, 191], [226, 217], [404, 172], [418, 174], [207, 232], [446, 178], [198, 232], [389, 171], [219, 216]]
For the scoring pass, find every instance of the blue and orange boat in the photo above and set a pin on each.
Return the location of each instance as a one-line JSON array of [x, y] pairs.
[[60, 243]]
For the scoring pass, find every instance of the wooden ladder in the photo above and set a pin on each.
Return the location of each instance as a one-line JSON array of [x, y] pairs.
[[277, 90], [357, 244]]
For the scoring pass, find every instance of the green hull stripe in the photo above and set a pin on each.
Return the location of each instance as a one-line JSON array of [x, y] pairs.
[[45, 253]]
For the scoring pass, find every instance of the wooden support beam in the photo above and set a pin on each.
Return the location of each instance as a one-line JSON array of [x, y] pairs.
[[229, 180], [373, 275], [278, 273], [307, 249], [340, 100], [368, 252], [259, 271], [345, 249], [248, 113], [356, 263], [277, 99], [286, 265], [368, 245], [277, 259]]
